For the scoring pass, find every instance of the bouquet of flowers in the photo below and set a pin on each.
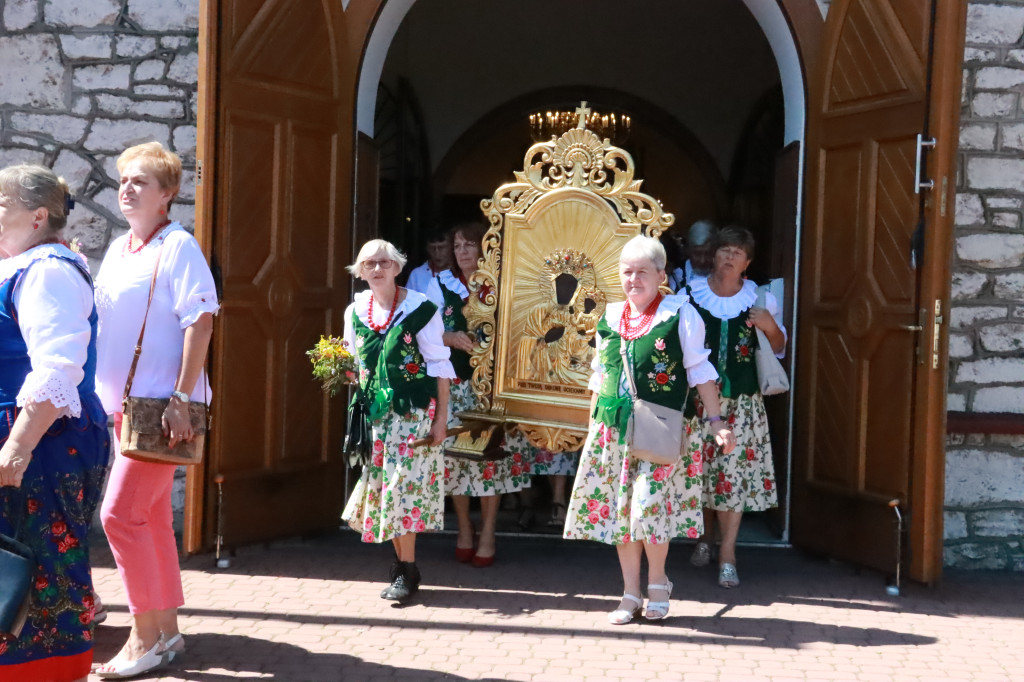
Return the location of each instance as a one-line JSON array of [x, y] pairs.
[[333, 364]]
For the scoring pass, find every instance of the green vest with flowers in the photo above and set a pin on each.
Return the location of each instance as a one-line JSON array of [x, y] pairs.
[[394, 372], [660, 376], [455, 321]]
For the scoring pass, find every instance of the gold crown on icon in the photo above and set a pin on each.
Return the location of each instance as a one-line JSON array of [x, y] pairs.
[[568, 261]]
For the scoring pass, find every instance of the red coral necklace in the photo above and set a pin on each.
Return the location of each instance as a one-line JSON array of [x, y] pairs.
[[629, 331], [131, 235], [387, 323]]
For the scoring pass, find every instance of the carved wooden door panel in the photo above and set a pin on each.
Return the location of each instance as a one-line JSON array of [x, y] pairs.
[[857, 420], [282, 178]]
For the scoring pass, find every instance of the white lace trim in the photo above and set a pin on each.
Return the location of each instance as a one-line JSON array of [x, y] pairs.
[[453, 284], [723, 307], [9, 266], [53, 385], [197, 305]]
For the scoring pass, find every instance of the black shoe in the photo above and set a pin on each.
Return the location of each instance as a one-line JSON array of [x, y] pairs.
[[393, 573], [405, 585]]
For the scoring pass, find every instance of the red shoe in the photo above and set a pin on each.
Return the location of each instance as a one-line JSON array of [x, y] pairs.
[[482, 561], [465, 554]]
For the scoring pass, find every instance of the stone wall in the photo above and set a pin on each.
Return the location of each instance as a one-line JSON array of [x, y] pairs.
[[985, 474], [80, 81]]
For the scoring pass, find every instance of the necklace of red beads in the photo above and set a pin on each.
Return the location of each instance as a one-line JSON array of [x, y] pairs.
[[631, 331], [131, 237], [387, 323]]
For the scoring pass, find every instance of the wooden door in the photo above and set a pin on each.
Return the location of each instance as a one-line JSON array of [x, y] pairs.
[[867, 409], [280, 186]]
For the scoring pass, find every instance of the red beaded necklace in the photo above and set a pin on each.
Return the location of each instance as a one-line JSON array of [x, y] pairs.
[[630, 332], [131, 235], [387, 322]]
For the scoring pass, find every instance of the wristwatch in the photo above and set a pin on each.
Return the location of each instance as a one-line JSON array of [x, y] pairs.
[[181, 396]]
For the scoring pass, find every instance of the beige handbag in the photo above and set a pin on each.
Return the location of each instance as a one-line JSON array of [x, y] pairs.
[[771, 376], [142, 434], [654, 433]]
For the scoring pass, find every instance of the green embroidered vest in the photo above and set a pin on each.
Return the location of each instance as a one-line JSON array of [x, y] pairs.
[[732, 354], [395, 376], [455, 321], [660, 377]]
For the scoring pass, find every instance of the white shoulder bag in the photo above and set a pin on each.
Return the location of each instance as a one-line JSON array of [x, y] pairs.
[[771, 376], [655, 433]]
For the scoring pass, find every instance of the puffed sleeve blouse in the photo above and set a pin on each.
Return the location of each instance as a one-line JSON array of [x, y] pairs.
[[691, 337], [184, 291]]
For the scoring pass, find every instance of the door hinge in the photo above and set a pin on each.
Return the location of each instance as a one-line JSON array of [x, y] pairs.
[[199, 172], [936, 330], [920, 184]]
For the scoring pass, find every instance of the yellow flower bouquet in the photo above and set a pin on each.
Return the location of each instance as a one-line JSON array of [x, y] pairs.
[[333, 364]]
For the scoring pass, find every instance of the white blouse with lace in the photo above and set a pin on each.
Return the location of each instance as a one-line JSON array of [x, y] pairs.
[[728, 307], [450, 282], [431, 345], [691, 336], [53, 302]]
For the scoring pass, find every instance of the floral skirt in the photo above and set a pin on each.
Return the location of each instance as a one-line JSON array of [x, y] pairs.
[[58, 496], [483, 479], [399, 491], [618, 498], [743, 480], [547, 463]]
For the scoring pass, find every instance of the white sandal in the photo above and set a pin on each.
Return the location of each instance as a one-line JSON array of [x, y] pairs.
[[660, 607], [623, 616], [118, 668], [172, 649]]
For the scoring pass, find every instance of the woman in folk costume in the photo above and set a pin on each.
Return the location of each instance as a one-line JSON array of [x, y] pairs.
[[404, 370], [619, 499], [53, 430], [465, 478], [744, 480]]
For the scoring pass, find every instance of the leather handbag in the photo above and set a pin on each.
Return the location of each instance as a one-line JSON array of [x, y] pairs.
[[655, 432], [17, 562], [358, 444], [771, 376], [142, 434]]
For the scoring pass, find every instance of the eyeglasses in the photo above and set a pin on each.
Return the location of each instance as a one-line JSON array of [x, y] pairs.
[[374, 264]]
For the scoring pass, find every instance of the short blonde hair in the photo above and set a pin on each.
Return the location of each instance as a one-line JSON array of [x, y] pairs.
[[371, 249], [164, 164], [33, 187], [645, 247]]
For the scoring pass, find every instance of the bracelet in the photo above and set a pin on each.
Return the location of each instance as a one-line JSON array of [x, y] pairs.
[[712, 420]]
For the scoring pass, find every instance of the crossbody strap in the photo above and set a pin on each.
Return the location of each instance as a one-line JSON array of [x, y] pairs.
[[142, 332], [626, 368]]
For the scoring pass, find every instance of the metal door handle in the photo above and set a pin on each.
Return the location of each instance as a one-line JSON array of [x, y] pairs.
[[911, 327], [921, 144]]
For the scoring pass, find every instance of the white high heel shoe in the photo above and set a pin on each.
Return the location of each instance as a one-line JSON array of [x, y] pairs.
[[119, 669]]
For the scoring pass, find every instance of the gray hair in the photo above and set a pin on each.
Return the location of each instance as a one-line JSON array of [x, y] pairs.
[[645, 247], [371, 249], [33, 187], [700, 233]]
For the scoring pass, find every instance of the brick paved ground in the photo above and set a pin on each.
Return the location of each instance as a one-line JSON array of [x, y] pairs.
[[309, 610]]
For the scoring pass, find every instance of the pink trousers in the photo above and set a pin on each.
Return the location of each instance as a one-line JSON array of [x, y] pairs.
[[138, 521]]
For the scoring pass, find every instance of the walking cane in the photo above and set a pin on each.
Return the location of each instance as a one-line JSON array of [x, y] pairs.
[[894, 589], [221, 562]]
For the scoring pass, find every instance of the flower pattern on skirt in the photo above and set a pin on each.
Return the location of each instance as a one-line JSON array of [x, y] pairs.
[[618, 498], [743, 480], [483, 479], [399, 491], [547, 463]]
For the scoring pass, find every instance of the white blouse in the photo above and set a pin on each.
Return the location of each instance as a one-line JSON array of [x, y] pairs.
[[53, 302], [691, 336], [450, 282], [728, 307], [428, 338], [184, 291]]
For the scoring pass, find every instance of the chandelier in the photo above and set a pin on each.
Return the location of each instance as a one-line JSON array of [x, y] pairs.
[[614, 126]]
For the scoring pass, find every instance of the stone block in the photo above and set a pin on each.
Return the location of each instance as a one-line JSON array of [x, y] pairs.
[[960, 346], [998, 523], [1008, 440], [134, 46], [20, 14], [155, 90], [994, 24], [969, 210], [962, 317], [992, 172], [983, 477], [113, 104], [956, 402], [164, 15], [991, 249], [106, 198], [185, 68], [82, 105], [115, 136], [102, 77], [1013, 137], [184, 138], [187, 190], [968, 285], [1010, 286], [999, 399], [974, 556], [975, 439], [184, 214], [64, 129], [155, 108], [110, 168], [978, 136], [75, 170], [994, 105], [954, 525], [1003, 202], [81, 14], [89, 228], [150, 70], [991, 371], [1006, 219], [87, 47], [998, 78], [11, 156], [1002, 338], [977, 55], [39, 80], [175, 42]]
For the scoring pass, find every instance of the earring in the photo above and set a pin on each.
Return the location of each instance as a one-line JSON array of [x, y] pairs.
[[35, 226]]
